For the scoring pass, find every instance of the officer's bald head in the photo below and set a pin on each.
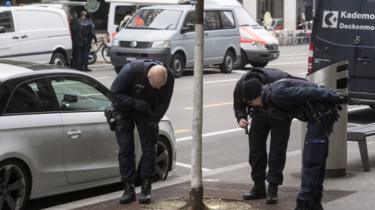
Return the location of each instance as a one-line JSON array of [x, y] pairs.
[[157, 76]]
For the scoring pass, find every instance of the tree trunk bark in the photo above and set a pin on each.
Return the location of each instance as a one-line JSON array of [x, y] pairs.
[[196, 194]]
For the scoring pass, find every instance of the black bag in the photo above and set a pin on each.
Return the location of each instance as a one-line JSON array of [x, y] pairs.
[[110, 115]]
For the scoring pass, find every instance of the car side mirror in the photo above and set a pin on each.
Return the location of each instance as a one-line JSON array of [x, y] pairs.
[[187, 28], [2, 29]]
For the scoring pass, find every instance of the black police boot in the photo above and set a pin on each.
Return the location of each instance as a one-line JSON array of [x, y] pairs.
[[303, 205], [258, 191], [272, 194], [129, 194], [145, 197], [317, 205]]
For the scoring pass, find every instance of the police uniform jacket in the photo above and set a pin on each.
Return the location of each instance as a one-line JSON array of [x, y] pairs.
[[291, 97], [265, 76], [132, 83]]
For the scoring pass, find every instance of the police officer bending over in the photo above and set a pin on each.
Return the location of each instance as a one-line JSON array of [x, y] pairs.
[[261, 124], [141, 94], [309, 103]]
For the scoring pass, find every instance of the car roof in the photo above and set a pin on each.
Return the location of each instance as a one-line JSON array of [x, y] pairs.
[[15, 69], [188, 7]]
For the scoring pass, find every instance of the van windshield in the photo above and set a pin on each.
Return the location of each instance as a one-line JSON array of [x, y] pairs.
[[156, 19], [244, 19]]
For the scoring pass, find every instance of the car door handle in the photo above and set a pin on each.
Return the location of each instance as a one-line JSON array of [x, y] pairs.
[[15, 37], [364, 59], [74, 134], [24, 36]]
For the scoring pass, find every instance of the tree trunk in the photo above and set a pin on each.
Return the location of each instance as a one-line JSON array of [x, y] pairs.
[[196, 194]]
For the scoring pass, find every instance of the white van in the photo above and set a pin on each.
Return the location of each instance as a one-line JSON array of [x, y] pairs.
[[166, 33], [35, 34]]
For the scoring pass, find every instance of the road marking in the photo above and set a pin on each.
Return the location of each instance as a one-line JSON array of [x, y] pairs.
[[292, 55], [188, 138], [189, 166], [211, 105], [354, 124], [181, 131], [358, 108], [101, 65], [220, 81], [287, 63]]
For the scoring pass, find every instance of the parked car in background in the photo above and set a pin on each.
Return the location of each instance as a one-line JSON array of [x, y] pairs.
[[54, 137], [35, 34], [166, 33]]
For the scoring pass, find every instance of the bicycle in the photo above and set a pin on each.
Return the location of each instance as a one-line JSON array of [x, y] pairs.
[[103, 47]]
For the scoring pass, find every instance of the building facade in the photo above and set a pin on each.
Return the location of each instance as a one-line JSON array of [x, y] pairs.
[[288, 14]]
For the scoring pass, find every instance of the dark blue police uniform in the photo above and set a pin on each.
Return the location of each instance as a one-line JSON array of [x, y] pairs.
[[317, 106], [131, 86]]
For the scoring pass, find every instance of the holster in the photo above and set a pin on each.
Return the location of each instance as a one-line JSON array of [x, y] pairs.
[[109, 113]]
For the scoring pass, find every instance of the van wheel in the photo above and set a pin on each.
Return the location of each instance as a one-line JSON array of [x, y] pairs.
[[228, 65], [259, 64], [14, 185], [59, 59], [243, 62], [178, 64], [118, 69]]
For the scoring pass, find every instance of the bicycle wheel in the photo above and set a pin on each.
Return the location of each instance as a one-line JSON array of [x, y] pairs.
[[105, 54], [92, 57]]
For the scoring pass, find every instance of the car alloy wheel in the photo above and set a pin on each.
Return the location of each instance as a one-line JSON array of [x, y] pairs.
[[162, 159], [13, 187]]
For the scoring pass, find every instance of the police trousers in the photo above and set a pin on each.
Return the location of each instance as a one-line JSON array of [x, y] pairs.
[[148, 136], [261, 125], [314, 158]]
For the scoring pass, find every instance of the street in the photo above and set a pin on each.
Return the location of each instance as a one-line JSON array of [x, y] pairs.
[[225, 145]]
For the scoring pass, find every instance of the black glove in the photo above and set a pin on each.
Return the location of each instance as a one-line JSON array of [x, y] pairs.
[[141, 105]]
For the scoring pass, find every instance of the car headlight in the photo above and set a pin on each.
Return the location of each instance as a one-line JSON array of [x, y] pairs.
[[258, 45], [115, 42], [161, 44]]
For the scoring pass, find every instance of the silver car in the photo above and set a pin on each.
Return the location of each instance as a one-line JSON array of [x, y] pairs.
[[54, 137]]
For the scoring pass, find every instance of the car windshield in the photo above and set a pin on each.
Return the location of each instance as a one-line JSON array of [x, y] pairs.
[[156, 19], [244, 19]]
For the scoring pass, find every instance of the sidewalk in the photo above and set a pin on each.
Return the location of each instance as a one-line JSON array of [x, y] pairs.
[[355, 191]]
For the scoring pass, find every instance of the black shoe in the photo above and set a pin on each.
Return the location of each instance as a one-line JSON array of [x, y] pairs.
[[272, 194], [317, 205], [129, 194], [145, 196], [303, 205], [258, 192]]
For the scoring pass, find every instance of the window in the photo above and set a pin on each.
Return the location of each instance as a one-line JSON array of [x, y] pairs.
[[32, 97], [79, 94], [159, 19], [6, 21], [121, 12], [211, 21], [227, 19], [189, 21]]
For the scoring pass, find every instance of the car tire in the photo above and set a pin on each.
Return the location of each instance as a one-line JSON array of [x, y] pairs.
[[259, 64], [243, 61], [59, 59], [177, 64], [118, 69], [228, 65], [14, 183], [163, 159]]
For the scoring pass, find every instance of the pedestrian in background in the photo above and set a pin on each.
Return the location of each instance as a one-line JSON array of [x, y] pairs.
[[140, 95], [262, 123], [77, 41], [309, 103], [88, 34]]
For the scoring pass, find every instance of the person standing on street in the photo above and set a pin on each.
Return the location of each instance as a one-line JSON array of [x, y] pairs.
[[140, 95], [88, 34], [77, 41], [309, 103], [262, 123]]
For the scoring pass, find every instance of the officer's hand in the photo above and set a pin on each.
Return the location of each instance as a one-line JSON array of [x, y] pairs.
[[141, 105], [243, 123]]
